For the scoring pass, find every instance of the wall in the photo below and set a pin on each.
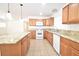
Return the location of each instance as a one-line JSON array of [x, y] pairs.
[[15, 26], [58, 22], [2, 28]]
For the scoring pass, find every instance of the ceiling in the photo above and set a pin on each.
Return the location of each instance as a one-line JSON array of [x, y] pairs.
[[31, 9]]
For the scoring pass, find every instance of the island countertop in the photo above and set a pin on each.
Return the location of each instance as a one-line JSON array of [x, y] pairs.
[[12, 38]]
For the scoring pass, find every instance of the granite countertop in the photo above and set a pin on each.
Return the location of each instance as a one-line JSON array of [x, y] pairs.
[[12, 38], [70, 35]]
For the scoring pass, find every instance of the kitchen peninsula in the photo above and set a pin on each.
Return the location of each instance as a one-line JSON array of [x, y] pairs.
[[14, 45]]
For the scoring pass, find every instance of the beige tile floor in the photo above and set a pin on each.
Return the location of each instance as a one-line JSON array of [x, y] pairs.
[[40, 48]]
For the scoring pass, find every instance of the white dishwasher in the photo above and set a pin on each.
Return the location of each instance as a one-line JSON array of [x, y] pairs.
[[56, 43]]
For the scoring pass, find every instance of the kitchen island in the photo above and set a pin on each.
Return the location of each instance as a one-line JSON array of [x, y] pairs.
[[14, 44]]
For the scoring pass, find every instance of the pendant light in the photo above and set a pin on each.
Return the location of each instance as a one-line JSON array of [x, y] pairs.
[[8, 8], [9, 14], [21, 9]]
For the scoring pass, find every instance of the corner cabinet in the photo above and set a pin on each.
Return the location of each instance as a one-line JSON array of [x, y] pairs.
[[65, 13]]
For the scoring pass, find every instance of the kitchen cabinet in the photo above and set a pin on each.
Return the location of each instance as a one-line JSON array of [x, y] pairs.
[[74, 52], [32, 22], [64, 47], [65, 13], [49, 37], [24, 45], [28, 41], [68, 47], [44, 22], [70, 14], [45, 34], [19, 48], [74, 13], [49, 21], [33, 34], [11, 49]]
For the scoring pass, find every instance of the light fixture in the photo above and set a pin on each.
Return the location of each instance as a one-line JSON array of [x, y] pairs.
[[21, 9], [43, 3], [8, 8], [41, 14], [9, 14]]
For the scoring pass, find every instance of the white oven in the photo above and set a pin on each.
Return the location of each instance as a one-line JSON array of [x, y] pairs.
[[39, 30]]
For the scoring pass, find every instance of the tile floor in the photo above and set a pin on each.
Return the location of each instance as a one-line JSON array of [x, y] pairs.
[[40, 48]]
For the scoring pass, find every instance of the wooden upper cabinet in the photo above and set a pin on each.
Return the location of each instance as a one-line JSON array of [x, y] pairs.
[[49, 21], [74, 13], [65, 12], [32, 22], [44, 22]]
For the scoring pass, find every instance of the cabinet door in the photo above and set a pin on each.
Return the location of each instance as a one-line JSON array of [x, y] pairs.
[[74, 52], [74, 13], [47, 22], [33, 34], [32, 22], [44, 22], [49, 37], [65, 13], [45, 34], [64, 47], [64, 50], [24, 46], [51, 21]]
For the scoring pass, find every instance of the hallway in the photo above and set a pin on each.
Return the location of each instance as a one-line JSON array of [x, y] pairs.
[[40, 48]]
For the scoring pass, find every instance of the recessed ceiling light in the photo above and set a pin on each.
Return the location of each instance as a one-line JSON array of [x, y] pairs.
[[43, 3], [41, 13]]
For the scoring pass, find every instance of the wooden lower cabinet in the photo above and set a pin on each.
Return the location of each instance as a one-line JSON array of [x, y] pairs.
[[64, 47], [74, 52], [11, 49], [49, 37], [24, 46], [33, 35], [68, 47], [45, 34], [18, 49]]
